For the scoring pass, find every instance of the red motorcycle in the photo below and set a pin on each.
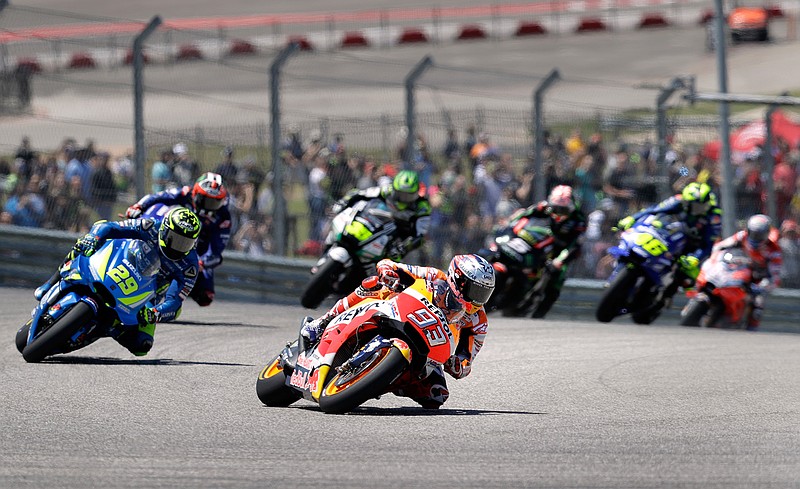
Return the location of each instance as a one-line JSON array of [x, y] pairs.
[[362, 352], [722, 293]]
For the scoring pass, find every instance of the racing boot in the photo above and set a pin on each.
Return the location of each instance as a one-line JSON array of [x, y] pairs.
[[45, 287]]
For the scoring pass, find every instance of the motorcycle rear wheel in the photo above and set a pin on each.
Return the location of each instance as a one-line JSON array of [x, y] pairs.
[[321, 284], [58, 334], [346, 391], [616, 295], [271, 387], [693, 313]]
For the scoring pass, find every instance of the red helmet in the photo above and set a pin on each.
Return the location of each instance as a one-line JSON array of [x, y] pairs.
[[208, 193], [560, 203]]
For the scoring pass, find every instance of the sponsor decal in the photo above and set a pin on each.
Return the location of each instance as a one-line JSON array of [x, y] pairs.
[[304, 361], [225, 224], [146, 224], [299, 379], [191, 272]]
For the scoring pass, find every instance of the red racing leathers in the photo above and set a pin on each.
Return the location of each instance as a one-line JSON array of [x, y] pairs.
[[766, 264]]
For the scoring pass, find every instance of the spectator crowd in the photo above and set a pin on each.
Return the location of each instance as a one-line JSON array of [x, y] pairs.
[[473, 186]]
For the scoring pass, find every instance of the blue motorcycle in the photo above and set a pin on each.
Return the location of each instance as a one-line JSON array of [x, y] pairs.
[[646, 259], [98, 296]]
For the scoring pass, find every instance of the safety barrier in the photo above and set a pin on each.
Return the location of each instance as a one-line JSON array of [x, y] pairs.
[[29, 256], [192, 39]]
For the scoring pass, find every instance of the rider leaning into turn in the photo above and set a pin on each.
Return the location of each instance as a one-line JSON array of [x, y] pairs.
[[760, 240], [568, 223], [696, 206], [460, 294], [176, 237], [208, 198], [410, 210]]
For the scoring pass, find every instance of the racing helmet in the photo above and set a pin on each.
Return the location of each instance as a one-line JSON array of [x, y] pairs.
[[560, 203], [698, 199], [208, 193], [758, 229], [471, 280], [178, 233], [405, 189]]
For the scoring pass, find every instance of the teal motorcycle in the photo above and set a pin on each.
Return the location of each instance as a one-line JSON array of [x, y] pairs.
[[98, 296]]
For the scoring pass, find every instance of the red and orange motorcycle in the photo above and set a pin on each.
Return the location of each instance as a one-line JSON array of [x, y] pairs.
[[362, 352], [721, 296]]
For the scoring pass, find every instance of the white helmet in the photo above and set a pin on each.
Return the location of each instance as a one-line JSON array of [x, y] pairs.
[[471, 280]]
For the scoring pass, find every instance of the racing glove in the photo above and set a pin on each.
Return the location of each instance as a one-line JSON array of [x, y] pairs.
[[387, 275], [690, 265], [85, 246], [133, 211], [625, 223], [147, 316]]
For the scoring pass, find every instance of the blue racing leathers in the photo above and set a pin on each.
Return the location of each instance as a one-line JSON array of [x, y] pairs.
[[175, 278]]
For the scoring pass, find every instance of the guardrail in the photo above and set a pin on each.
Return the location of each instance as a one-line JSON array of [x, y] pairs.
[[29, 256]]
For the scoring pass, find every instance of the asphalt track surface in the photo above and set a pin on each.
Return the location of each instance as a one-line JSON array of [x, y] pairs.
[[552, 404]]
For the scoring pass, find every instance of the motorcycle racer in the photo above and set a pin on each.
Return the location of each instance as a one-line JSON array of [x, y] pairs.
[[460, 294], [696, 206], [208, 199], [760, 240], [411, 212], [176, 237], [568, 223]]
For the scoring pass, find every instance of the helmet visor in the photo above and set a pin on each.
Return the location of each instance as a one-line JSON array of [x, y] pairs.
[[207, 203], [405, 197], [175, 246], [699, 208], [474, 292]]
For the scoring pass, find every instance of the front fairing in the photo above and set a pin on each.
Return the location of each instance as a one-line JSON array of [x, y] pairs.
[[650, 248], [412, 308], [365, 230]]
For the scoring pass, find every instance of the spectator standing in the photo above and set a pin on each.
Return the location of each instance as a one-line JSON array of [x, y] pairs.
[[451, 149], [27, 207], [27, 154], [749, 186], [790, 247], [104, 190], [161, 173], [185, 169], [317, 196], [227, 168], [79, 166], [621, 183], [785, 179]]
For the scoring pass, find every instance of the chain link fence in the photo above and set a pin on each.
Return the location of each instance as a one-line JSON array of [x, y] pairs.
[[344, 125]]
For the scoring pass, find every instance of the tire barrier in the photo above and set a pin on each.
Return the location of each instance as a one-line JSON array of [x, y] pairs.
[[29, 256], [320, 37]]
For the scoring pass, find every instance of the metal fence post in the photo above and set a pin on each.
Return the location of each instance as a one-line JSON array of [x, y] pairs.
[[772, 207], [411, 80], [661, 130], [279, 214], [728, 201], [138, 104], [539, 189]]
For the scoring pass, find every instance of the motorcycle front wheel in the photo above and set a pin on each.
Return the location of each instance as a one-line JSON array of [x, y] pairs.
[[271, 387], [348, 390], [693, 312], [56, 336], [615, 296]]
